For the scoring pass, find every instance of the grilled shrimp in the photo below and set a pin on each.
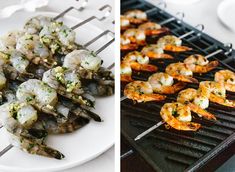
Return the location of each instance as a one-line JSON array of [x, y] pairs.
[[154, 51], [33, 49], [125, 44], [141, 91], [181, 72], [139, 62], [8, 41], [216, 92], [227, 77], [152, 28], [126, 72], [67, 83], [164, 84], [196, 102], [178, 116], [172, 43], [136, 16], [199, 64], [35, 24], [58, 37], [38, 94], [136, 36], [125, 23]]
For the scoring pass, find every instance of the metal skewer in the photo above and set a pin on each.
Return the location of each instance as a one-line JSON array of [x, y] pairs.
[[199, 26], [229, 45], [180, 19], [84, 4], [107, 13], [163, 4]]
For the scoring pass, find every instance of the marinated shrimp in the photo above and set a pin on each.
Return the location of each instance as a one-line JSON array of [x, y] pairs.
[[178, 116], [216, 93], [226, 77], [181, 72], [172, 43], [136, 16], [126, 72], [135, 36], [38, 94], [164, 84], [139, 62], [152, 28], [141, 91], [196, 102], [58, 37], [199, 64], [66, 83], [35, 24], [125, 23], [8, 41], [34, 50], [153, 51]]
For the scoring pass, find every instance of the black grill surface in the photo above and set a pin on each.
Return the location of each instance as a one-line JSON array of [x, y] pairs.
[[167, 149]]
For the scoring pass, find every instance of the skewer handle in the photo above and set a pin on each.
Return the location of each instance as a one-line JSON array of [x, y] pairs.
[[123, 98], [6, 149], [149, 130], [128, 153]]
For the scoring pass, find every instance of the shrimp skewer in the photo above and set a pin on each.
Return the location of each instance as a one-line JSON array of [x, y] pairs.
[[136, 16], [196, 102], [178, 116], [164, 84], [141, 91], [199, 64], [152, 28], [226, 77], [181, 72]]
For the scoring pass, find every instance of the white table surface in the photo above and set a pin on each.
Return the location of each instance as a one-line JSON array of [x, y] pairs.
[[105, 162], [205, 12]]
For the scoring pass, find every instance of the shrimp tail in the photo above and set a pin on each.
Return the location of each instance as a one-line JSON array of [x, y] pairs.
[[229, 87], [126, 78], [154, 55], [144, 67], [201, 112], [177, 48], [221, 101], [185, 78], [156, 31], [129, 47], [204, 69]]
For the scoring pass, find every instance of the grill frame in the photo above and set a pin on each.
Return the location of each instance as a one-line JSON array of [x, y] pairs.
[[192, 41]]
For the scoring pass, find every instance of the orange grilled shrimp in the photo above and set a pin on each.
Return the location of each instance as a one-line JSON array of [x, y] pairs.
[[135, 36], [196, 102], [180, 72], [141, 91], [199, 64], [164, 84], [125, 44], [178, 116], [227, 77], [172, 43], [152, 28], [153, 51], [136, 16]]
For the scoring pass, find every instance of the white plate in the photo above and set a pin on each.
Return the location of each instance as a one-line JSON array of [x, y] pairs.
[[181, 2], [225, 12], [80, 146]]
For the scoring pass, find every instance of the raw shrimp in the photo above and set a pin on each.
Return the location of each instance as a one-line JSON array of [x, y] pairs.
[[141, 91], [199, 64], [37, 93], [152, 28], [136, 16], [181, 72], [3, 79], [153, 51], [227, 77], [172, 43], [196, 102], [58, 37], [135, 36], [35, 24], [139, 62], [8, 41], [178, 116], [164, 84], [34, 50], [216, 93]]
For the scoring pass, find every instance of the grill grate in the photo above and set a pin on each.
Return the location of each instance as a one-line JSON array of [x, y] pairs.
[[168, 149]]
